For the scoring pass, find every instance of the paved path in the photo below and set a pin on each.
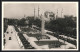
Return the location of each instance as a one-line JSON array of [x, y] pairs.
[[13, 43]]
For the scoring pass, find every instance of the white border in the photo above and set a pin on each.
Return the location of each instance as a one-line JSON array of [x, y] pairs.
[[42, 49]]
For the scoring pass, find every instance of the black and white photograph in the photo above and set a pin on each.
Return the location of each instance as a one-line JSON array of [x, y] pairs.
[[40, 26]]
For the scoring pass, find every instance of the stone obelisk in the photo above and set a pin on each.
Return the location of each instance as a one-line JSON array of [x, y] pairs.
[[42, 25]]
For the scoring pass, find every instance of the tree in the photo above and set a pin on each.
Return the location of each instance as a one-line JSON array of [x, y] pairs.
[[22, 22], [63, 25], [5, 24]]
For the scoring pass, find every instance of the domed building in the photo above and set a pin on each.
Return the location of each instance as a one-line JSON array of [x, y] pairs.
[[49, 16]]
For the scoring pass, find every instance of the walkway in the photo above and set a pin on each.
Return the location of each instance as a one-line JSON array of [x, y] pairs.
[[13, 43]]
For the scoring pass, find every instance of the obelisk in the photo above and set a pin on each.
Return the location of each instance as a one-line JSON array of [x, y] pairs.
[[42, 25]]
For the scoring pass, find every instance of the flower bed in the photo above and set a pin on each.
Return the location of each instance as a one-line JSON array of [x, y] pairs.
[[51, 44], [25, 43]]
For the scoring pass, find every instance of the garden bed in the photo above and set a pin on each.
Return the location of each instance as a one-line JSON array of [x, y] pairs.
[[51, 44]]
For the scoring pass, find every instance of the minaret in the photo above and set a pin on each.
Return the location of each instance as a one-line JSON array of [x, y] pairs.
[[34, 14], [42, 25], [62, 13], [38, 11], [57, 14], [24, 16], [48, 15]]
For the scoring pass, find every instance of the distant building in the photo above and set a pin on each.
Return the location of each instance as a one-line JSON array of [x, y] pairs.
[[27, 22], [49, 15]]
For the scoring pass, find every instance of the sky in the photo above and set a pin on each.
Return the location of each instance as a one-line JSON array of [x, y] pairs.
[[18, 10]]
